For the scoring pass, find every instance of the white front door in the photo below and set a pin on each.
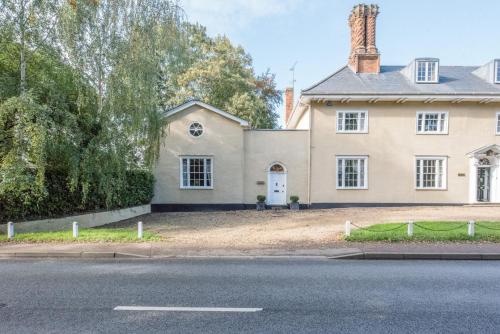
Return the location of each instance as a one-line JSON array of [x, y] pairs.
[[277, 189]]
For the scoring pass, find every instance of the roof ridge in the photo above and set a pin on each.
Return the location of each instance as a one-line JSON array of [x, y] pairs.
[[325, 79]]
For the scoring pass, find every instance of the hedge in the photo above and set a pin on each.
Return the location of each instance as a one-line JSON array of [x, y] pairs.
[[61, 201]]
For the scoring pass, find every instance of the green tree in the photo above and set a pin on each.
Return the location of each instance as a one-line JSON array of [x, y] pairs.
[[217, 72], [31, 23]]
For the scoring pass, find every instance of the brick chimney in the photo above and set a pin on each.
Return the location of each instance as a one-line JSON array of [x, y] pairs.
[[364, 57], [288, 103]]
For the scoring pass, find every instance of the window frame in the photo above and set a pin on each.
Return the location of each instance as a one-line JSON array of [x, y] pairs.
[[359, 112], [419, 177], [202, 129], [497, 123], [181, 172], [496, 74], [427, 62], [427, 132], [365, 172]]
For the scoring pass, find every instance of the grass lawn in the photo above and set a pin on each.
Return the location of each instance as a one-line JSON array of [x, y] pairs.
[[85, 235], [448, 231]]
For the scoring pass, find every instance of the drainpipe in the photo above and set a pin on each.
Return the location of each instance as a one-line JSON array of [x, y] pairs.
[[309, 167]]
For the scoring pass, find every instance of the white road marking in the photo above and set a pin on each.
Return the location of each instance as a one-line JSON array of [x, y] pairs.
[[187, 309]]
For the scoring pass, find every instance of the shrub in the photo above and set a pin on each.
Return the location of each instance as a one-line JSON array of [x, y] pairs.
[[294, 199], [261, 198], [62, 201]]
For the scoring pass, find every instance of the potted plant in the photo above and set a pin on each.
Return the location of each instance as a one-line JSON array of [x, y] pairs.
[[261, 202], [294, 203]]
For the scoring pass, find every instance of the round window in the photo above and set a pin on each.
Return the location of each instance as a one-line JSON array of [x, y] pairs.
[[196, 129]]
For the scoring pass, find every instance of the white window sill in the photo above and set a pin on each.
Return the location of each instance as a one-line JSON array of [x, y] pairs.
[[196, 188], [433, 133], [352, 132], [352, 188], [431, 189]]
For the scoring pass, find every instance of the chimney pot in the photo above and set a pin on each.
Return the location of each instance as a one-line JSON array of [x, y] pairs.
[[364, 57]]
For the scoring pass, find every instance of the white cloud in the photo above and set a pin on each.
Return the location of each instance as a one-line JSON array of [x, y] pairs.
[[223, 16]]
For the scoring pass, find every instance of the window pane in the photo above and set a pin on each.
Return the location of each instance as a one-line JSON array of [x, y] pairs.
[[361, 173], [362, 117], [421, 71], [208, 169], [185, 172], [339, 172], [351, 173], [430, 173], [498, 123], [340, 121], [351, 122], [431, 122], [498, 71], [419, 122], [442, 122], [419, 173]]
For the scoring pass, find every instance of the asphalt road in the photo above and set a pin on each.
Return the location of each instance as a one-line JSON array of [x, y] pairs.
[[296, 296]]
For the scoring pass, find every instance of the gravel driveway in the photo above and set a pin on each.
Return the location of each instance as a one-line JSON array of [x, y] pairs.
[[286, 229]]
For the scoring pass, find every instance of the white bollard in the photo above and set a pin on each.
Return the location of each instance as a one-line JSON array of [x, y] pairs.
[[410, 228], [348, 228], [139, 230], [471, 228], [10, 230], [75, 230]]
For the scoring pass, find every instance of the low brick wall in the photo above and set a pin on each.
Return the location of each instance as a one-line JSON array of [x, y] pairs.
[[85, 220]]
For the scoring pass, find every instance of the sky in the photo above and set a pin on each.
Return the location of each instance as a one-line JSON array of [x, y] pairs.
[[315, 33]]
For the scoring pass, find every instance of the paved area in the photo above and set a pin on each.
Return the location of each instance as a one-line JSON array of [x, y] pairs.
[[296, 296], [287, 229], [164, 250]]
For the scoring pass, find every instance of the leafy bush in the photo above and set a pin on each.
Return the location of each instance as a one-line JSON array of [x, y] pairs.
[[261, 198], [294, 199], [60, 200]]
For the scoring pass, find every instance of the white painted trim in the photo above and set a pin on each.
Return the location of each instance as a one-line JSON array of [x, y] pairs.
[[428, 112], [276, 163], [407, 97], [187, 309], [344, 111], [202, 131], [496, 75], [351, 157], [269, 174], [187, 105], [483, 149], [445, 172], [181, 186], [427, 62]]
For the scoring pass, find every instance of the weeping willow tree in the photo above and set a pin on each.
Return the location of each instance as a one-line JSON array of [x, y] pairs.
[[120, 47]]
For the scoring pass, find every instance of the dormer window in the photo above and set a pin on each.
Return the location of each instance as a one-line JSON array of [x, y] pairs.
[[497, 71], [427, 71]]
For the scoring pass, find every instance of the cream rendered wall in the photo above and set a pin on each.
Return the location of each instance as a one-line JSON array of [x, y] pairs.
[[392, 144], [264, 147], [222, 139], [303, 123]]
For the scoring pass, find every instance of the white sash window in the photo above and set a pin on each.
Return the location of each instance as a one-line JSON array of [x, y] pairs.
[[432, 122], [431, 172], [352, 121], [196, 173], [352, 172]]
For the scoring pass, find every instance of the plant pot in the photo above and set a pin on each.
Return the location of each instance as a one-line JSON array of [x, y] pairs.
[[294, 206], [261, 206]]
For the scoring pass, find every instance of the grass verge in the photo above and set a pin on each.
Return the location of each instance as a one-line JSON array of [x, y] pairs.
[[427, 231], [85, 235]]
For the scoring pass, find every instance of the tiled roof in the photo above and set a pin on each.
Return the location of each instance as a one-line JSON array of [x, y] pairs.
[[453, 80]]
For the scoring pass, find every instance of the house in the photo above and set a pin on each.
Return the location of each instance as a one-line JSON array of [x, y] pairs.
[[424, 133]]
